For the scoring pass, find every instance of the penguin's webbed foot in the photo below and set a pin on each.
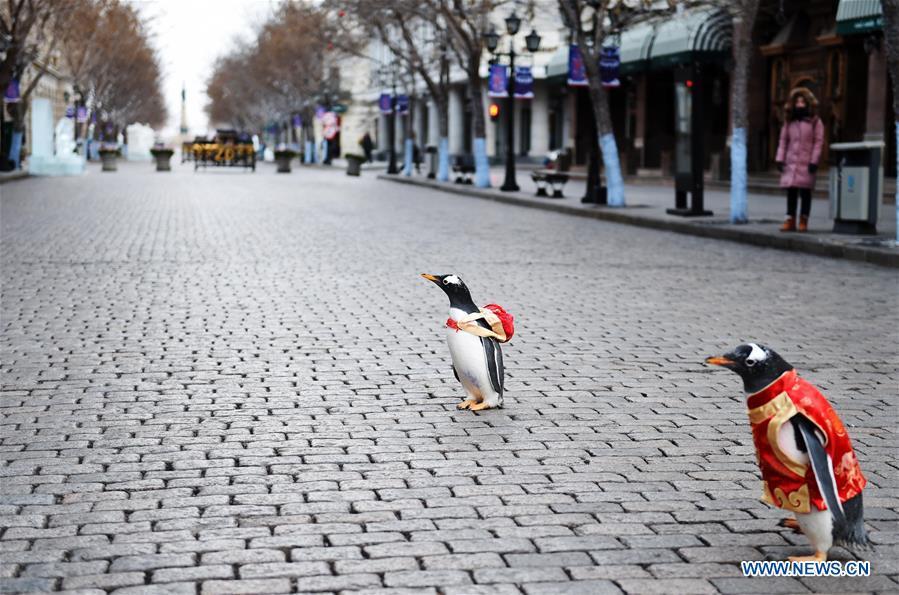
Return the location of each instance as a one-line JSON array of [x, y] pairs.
[[791, 524], [466, 404], [481, 406], [816, 557]]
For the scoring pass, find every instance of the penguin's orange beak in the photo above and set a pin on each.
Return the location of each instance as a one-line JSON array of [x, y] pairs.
[[719, 361], [430, 277]]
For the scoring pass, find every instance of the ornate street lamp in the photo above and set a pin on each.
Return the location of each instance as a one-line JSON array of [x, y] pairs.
[[532, 42]]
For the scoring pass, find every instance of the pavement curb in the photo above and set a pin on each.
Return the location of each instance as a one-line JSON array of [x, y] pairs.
[[19, 174], [733, 233]]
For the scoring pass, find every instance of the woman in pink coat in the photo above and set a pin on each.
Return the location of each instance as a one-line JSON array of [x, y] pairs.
[[801, 140]]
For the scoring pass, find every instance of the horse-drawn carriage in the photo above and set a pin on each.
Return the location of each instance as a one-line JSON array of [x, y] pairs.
[[228, 149]]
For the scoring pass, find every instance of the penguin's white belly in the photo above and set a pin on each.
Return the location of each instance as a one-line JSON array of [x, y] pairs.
[[786, 440], [468, 359]]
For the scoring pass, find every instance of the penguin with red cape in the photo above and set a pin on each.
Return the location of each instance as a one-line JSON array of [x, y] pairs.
[[474, 335], [804, 453]]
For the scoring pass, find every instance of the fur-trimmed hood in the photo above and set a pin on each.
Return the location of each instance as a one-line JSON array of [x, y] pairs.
[[810, 100]]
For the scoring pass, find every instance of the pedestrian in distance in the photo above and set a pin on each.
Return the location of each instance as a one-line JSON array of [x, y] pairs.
[[798, 153], [367, 146]]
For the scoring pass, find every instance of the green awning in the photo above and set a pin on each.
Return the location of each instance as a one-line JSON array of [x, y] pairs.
[[558, 63], [859, 16], [691, 36], [634, 46]]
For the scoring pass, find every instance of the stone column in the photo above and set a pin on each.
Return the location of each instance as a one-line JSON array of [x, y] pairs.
[[540, 120], [456, 121]]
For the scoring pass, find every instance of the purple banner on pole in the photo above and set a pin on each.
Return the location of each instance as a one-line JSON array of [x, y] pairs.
[[577, 76], [609, 64], [384, 103], [524, 83], [81, 114], [497, 81], [402, 104], [11, 95]]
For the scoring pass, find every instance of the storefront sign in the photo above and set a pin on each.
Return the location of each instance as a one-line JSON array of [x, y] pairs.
[[577, 76], [402, 104], [12, 92], [524, 83], [385, 103], [609, 65], [497, 81]]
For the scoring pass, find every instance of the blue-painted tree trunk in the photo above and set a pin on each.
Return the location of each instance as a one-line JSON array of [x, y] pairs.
[[309, 154], [614, 181], [481, 165], [738, 177], [324, 154], [408, 150], [443, 160], [15, 149]]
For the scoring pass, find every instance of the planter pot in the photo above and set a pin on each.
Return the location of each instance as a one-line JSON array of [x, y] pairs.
[[163, 160], [109, 161], [353, 166], [283, 164]]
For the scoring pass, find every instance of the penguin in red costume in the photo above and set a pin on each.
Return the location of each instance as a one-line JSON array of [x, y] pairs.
[[804, 453], [474, 335]]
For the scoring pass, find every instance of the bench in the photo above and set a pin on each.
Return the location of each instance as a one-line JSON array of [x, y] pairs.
[[463, 167], [554, 175]]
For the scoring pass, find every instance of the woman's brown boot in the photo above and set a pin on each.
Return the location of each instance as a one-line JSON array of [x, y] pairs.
[[789, 224], [803, 223]]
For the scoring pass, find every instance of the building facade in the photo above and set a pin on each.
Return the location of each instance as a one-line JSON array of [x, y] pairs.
[[835, 49]]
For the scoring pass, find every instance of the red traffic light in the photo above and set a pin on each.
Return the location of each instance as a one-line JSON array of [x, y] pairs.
[[493, 110], [689, 83]]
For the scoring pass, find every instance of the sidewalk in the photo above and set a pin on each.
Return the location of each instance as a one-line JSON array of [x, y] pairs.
[[646, 205]]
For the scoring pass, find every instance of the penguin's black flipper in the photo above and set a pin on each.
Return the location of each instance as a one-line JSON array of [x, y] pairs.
[[456, 374], [494, 357], [822, 467], [853, 533]]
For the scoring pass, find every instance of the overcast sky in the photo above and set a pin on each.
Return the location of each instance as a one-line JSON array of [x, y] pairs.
[[190, 34]]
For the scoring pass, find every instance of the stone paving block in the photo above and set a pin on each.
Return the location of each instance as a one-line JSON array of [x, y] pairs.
[[289, 569], [587, 587], [239, 587], [671, 585], [111, 580], [163, 589], [425, 578], [249, 556], [337, 583]]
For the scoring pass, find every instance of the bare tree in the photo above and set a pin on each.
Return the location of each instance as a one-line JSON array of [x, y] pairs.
[[592, 22], [281, 73], [891, 45], [416, 39], [465, 22], [744, 14], [30, 32]]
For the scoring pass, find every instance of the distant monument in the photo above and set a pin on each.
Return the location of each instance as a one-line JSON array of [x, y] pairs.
[[183, 111]]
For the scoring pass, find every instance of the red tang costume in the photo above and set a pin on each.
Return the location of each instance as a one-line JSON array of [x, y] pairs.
[[788, 483], [502, 324]]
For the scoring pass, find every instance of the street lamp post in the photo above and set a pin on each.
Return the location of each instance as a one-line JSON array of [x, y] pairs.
[[384, 73], [532, 40]]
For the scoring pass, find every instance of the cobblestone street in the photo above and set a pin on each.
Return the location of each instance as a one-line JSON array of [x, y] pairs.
[[228, 382]]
